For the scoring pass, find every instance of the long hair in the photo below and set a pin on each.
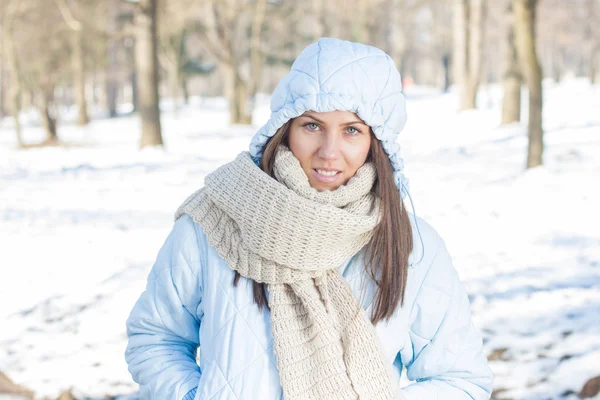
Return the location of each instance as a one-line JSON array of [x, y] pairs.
[[388, 250]]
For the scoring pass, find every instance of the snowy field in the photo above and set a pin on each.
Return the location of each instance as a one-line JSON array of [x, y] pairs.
[[80, 226]]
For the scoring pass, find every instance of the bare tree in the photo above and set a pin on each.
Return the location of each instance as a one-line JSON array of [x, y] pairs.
[[38, 67], [256, 56], [468, 43], [173, 57], [253, 42], [2, 70], [592, 37], [512, 78], [78, 58], [563, 48], [391, 34], [224, 30], [46, 101], [398, 30], [43, 62], [10, 14], [173, 34], [441, 31], [146, 47], [525, 20], [111, 83]]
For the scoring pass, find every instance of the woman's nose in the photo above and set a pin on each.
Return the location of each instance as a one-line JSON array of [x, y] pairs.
[[330, 146]]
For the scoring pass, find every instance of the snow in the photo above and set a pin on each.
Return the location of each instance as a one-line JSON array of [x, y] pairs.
[[80, 226]]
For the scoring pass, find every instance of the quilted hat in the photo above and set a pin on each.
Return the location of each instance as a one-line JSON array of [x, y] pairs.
[[334, 74]]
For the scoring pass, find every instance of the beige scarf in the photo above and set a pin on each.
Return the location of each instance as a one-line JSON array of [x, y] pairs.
[[293, 238]]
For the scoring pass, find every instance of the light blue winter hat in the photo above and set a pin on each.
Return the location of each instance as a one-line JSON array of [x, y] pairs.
[[334, 74]]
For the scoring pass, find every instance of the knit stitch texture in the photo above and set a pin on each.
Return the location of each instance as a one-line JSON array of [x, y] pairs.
[[293, 238]]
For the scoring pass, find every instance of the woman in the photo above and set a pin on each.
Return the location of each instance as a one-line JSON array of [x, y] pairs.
[[293, 269]]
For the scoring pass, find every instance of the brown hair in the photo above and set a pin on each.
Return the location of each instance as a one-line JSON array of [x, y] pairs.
[[387, 252]]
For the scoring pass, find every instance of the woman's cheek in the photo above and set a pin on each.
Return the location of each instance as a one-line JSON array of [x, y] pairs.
[[358, 152]]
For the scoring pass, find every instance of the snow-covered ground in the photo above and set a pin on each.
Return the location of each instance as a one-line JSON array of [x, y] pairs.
[[80, 226]]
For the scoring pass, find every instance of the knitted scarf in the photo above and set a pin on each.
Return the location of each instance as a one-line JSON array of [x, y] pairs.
[[286, 234]]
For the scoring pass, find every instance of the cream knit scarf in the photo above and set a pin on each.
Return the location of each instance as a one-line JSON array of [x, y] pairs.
[[293, 238]]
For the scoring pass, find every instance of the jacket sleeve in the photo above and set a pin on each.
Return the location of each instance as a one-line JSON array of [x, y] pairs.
[[446, 358], [163, 327]]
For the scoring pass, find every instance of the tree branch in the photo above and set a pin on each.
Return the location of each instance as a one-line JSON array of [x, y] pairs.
[[67, 15]]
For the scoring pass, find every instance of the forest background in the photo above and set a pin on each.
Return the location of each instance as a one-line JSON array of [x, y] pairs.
[[94, 88]]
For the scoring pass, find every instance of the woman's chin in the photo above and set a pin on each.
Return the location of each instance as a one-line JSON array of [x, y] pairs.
[[321, 186]]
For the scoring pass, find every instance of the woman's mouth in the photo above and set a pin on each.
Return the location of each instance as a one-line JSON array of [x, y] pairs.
[[326, 175]]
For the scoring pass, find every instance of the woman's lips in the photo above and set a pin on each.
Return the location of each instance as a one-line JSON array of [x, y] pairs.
[[325, 177]]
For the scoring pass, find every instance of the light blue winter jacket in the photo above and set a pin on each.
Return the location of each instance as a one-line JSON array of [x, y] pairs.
[[190, 303]]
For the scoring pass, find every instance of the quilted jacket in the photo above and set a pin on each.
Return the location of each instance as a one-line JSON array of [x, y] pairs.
[[193, 335]]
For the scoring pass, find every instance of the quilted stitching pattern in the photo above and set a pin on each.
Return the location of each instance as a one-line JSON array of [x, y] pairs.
[[236, 354], [333, 74], [239, 322]]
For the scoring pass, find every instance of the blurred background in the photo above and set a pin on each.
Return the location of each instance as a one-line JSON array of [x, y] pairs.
[[113, 111]]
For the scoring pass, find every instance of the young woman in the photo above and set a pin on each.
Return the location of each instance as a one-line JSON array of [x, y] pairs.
[[297, 271]]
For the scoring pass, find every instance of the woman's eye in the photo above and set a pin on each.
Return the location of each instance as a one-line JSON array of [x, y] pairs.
[[312, 126], [352, 130]]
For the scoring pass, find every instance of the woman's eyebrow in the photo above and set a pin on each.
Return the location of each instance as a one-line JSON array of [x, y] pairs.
[[310, 116], [358, 121], [354, 122]]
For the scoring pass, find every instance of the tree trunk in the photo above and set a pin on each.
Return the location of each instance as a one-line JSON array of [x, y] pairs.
[[185, 90], [112, 65], [461, 46], [133, 77], [48, 121], [111, 87], [592, 33], [95, 84], [475, 60], [559, 65], [79, 69], [2, 57], [147, 69], [133, 82], [236, 91], [16, 110], [182, 58], [525, 13], [468, 49], [239, 103], [2, 85], [446, 65], [171, 58], [403, 65], [77, 60], [15, 84], [256, 58], [174, 85], [390, 22], [394, 35], [595, 66], [512, 78]]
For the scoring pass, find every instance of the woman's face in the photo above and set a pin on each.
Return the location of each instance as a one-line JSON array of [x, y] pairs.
[[331, 146]]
